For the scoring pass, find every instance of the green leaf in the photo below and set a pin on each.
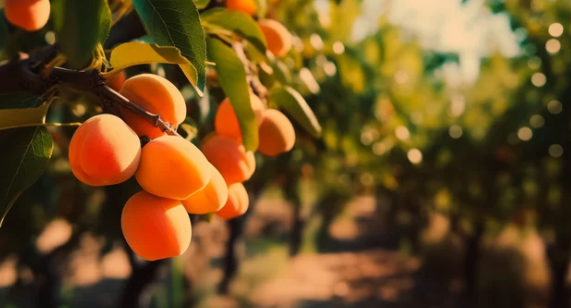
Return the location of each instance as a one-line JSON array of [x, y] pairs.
[[266, 75], [281, 72], [237, 22], [136, 53], [262, 7], [200, 4], [296, 106], [105, 22], [15, 100], [24, 157], [255, 55], [80, 25], [177, 23], [232, 77]]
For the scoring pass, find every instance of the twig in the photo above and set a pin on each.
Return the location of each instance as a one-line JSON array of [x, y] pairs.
[[24, 75]]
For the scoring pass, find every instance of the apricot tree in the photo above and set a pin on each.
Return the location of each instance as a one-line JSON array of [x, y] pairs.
[[136, 121]]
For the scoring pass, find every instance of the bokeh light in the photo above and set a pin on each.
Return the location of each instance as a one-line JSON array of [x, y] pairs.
[[525, 133], [536, 121], [316, 41], [414, 156], [556, 29], [553, 46], [338, 48], [555, 107], [556, 150], [379, 148], [538, 79], [455, 131], [402, 133]]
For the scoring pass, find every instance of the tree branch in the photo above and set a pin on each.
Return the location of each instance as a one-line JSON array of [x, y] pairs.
[[26, 73]]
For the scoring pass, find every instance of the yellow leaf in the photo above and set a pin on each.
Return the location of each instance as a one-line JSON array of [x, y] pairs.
[[136, 53], [13, 118]]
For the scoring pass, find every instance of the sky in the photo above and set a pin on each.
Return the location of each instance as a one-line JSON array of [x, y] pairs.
[[469, 29]]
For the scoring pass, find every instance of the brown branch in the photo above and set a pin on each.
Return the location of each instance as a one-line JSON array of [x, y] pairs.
[[24, 75]]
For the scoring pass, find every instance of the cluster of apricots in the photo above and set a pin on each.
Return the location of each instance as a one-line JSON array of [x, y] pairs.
[[30, 15], [277, 36], [176, 176]]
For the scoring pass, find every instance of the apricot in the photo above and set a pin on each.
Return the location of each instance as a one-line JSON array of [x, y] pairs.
[[104, 151], [209, 199], [154, 227], [172, 167], [30, 15], [245, 6], [230, 158], [237, 204], [277, 36], [116, 82], [276, 134], [157, 95], [226, 122]]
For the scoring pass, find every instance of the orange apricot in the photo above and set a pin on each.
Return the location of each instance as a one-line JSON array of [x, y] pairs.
[[245, 6], [230, 158], [277, 36], [172, 167], [237, 204], [276, 134], [30, 15], [116, 82], [154, 227], [104, 151], [209, 199], [226, 122], [156, 95]]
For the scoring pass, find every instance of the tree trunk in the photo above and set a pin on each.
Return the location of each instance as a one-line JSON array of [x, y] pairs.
[[230, 262], [471, 263], [140, 278], [49, 282], [296, 231], [558, 256], [236, 228]]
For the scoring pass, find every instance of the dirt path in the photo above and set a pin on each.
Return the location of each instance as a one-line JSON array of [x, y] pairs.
[[357, 272]]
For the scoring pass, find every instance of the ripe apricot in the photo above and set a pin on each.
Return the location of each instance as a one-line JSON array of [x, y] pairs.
[[276, 134], [209, 199], [30, 15], [226, 121], [245, 6], [156, 95], [237, 204], [154, 227], [172, 167], [116, 82], [230, 158], [277, 36], [104, 151]]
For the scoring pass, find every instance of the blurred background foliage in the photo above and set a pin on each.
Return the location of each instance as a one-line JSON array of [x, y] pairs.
[[442, 165]]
